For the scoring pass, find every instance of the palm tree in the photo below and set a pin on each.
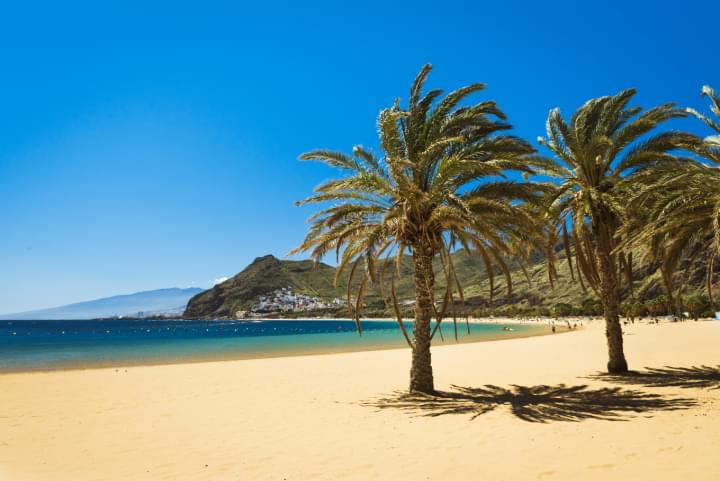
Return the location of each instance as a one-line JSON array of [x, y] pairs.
[[594, 152], [439, 183], [683, 207]]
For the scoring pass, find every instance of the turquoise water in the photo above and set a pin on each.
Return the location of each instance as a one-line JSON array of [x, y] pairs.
[[48, 345]]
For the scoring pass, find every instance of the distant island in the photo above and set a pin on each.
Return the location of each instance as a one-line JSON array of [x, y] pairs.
[[158, 303]]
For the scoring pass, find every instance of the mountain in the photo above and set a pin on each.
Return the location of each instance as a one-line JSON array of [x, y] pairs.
[[141, 304], [263, 276], [267, 274], [532, 292]]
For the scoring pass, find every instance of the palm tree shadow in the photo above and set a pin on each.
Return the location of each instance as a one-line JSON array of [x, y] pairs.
[[540, 404], [704, 377]]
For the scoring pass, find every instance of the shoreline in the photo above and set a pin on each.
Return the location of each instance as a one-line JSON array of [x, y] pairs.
[[280, 354], [580, 322], [486, 320], [471, 319]]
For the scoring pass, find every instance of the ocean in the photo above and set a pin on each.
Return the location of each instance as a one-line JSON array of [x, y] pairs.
[[51, 345]]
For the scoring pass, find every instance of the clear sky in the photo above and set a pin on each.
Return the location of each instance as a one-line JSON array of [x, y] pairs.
[[148, 145]]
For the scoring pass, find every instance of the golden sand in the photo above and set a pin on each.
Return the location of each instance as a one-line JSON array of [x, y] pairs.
[[324, 418]]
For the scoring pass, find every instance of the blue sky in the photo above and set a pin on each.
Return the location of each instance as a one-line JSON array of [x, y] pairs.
[[149, 145]]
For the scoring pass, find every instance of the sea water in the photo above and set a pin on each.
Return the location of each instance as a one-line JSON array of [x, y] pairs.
[[48, 345]]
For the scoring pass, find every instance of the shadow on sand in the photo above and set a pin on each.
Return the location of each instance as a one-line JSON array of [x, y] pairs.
[[538, 404], [704, 377]]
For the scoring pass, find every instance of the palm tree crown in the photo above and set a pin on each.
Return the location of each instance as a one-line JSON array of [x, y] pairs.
[[682, 205], [440, 179], [595, 153]]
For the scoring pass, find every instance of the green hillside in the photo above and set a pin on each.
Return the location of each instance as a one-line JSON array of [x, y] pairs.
[[267, 274], [263, 276], [532, 293]]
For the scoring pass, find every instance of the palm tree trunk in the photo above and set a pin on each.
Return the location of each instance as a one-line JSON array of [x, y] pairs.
[[609, 294], [667, 281], [421, 375]]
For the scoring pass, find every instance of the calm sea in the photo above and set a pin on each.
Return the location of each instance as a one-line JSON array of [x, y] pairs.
[[47, 345]]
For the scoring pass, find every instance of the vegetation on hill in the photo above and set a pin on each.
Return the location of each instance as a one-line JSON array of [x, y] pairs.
[[267, 274], [263, 276], [564, 296]]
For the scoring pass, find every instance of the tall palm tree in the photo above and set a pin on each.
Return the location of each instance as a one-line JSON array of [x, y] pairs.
[[594, 152], [438, 183], [683, 206]]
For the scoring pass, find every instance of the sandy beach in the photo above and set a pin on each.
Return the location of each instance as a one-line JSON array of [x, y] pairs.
[[338, 416]]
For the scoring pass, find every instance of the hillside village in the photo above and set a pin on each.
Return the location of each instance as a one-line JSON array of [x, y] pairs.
[[285, 300]]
